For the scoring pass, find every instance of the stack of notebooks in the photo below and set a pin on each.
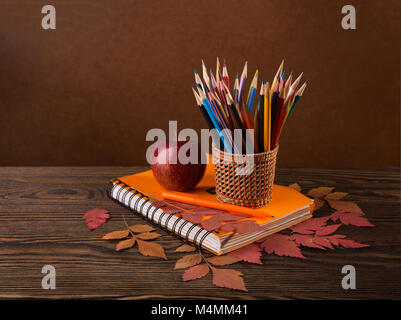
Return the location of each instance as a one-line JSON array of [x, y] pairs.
[[137, 192]]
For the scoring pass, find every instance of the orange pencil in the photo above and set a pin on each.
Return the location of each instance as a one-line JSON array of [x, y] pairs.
[[195, 200]]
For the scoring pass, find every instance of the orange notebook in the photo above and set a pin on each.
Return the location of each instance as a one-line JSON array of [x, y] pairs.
[[138, 191]]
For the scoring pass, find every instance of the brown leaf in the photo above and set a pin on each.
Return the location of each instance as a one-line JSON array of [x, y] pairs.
[[346, 206], [141, 228], [281, 245], [96, 217], [182, 205], [195, 272], [295, 186], [336, 195], [151, 249], [241, 227], [319, 192], [125, 244], [228, 278], [223, 260], [116, 235], [159, 203], [318, 203], [170, 210], [192, 217], [148, 235], [188, 261], [185, 248], [250, 253]]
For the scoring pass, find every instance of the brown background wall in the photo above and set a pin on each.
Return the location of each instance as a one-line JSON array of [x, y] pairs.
[[86, 93]]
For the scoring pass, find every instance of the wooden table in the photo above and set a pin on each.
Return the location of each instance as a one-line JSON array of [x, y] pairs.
[[41, 223]]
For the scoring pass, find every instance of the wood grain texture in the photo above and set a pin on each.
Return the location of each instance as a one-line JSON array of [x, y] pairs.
[[41, 223]]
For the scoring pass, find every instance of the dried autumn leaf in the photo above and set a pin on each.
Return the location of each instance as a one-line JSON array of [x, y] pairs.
[[346, 206], [351, 218], [159, 203], [310, 226], [195, 272], [336, 195], [192, 217], [319, 192], [250, 253], [241, 227], [295, 186], [182, 205], [228, 278], [96, 217], [281, 245], [148, 235], [307, 240], [215, 221], [318, 203], [327, 230], [223, 260], [170, 210], [125, 244], [338, 240], [116, 235], [188, 261], [137, 228], [207, 211], [185, 248], [151, 249]]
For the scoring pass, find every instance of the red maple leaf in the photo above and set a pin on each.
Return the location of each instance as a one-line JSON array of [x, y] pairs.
[[324, 231], [310, 226], [250, 253], [351, 218], [96, 217], [338, 240], [242, 226], [307, 240], [281, 245]]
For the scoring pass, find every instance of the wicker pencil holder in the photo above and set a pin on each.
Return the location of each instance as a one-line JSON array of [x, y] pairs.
[[241, 184]]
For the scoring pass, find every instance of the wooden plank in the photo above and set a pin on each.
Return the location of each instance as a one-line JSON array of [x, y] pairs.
[[41, 223]]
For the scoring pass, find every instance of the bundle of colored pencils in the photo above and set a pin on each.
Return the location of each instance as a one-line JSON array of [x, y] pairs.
[[226, 110]]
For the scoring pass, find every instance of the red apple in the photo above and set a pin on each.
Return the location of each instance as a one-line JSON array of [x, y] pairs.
[[172, 171]]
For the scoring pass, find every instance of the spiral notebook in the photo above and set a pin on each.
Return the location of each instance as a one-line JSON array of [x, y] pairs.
[[138, 191]]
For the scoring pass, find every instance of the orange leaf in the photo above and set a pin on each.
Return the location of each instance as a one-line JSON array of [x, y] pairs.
[[195, 272], [148, 235], [228, 278], [223, 260], [125, 244], [346, 206], [336, 195], [188, 261], [295, 186], [141, 228], [152, 249], [185, 248], [116, 235], [319, 192]]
